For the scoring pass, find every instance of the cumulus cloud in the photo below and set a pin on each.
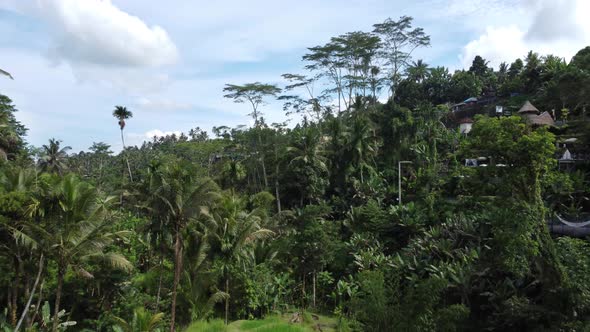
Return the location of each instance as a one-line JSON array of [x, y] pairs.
[[556, 20], [557, 27], [97, 32]]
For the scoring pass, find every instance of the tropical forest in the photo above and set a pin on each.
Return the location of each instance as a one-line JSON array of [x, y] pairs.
[[396, 195]]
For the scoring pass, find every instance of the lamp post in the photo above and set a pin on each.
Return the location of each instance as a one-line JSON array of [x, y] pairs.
[[399, 179]]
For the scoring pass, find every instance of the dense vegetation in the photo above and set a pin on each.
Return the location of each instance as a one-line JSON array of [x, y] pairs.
[[307, 217]]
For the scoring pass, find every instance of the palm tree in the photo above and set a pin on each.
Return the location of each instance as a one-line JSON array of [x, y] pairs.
[[198, 288], [308, 159], [362, 144], [53, 157], [418, 71], [143, 321], [72, 226], [122, 114], [236, 230], [180, 199]]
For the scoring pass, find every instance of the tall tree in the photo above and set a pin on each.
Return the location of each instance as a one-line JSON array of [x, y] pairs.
[[327, 61], [255, 94], [179, 199], [399, 40], [122, 114], [310, 104], [357, 52]]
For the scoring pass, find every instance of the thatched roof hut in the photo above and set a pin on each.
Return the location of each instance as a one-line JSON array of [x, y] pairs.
[[544, 119], [531, 114], [528, 108]]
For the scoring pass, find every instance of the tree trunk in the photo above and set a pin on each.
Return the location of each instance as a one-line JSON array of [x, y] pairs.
[[126, 158], [159, 286], [39, 299], [177, 270], [278, 197], [26, 308], [14, 302], [314, 283], [303, 292], [262, 160], [362, 178], [60, 280], [226, 300]]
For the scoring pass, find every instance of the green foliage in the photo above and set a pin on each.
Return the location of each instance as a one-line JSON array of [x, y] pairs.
[[142, 321], [256, 222]]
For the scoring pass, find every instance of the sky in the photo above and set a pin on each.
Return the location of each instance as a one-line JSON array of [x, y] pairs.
[[168, 61]]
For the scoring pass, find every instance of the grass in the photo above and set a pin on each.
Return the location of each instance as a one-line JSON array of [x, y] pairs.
[[212, 326], [276, 323]]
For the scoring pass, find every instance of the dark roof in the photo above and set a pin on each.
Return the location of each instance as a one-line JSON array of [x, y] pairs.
[[528, 108]]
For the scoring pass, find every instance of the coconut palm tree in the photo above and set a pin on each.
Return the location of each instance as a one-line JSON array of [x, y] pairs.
[[236, 229], [198, 287], [418, 71], [72, 225], [53, 157], [122, 114], [180, 199]]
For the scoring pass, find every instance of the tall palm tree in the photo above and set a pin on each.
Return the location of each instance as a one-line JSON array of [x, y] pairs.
[[53, 157], [180, 199], [122, 114], [72, 226], [236, 229]]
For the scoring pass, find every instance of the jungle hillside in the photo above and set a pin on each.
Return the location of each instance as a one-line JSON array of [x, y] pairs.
[[397, 195]]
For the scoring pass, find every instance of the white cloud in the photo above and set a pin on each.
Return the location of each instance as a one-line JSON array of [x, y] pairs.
[[97, 32], [138, 138], [557, 27], [162, 105], [496, 45], [160, 133]]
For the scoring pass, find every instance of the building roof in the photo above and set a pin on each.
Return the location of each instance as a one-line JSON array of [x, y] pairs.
[[465, 120], [543, 119], [528, 108]]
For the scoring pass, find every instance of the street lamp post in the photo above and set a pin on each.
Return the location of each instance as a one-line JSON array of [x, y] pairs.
[[399, 179]]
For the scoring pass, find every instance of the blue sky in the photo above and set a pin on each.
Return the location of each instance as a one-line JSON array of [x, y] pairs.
[[167, 61]]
